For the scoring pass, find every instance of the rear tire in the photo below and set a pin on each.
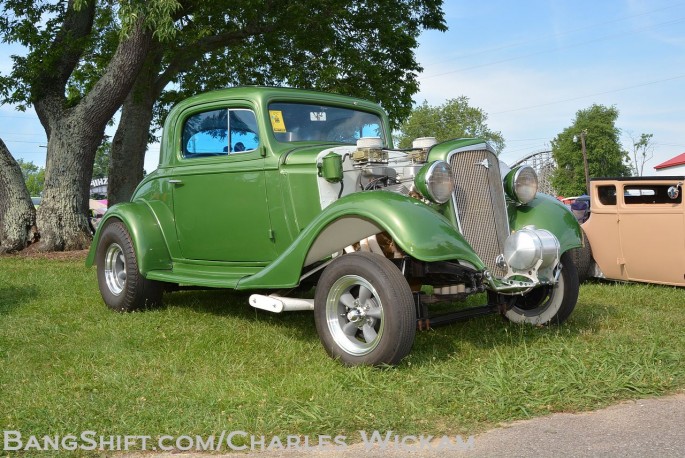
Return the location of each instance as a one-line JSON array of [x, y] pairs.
[[582, 258], [364, 311], [122, 286]]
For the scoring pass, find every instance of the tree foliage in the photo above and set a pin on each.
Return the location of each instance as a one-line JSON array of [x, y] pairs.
[[84, 57], [101, 165], [342, 46], [605, 156], [363, 49], [34, 176], [60, 37], [453, 119], [642, 151]]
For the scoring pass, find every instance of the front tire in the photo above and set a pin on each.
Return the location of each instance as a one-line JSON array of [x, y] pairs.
[[364, 311], [547, 305], [122, 286]]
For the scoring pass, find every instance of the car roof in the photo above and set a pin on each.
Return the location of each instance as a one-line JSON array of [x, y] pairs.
[[265, 94], [643, 178]]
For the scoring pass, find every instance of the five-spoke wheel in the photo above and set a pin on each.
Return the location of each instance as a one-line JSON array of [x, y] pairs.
[[364, 310]]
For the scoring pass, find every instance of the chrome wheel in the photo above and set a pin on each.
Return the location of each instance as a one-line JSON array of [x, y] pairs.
[[121, 284], [354, 314], [364, 310], [115, 269]]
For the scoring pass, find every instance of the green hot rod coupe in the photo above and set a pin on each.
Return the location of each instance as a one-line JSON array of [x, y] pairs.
[[301, 189]]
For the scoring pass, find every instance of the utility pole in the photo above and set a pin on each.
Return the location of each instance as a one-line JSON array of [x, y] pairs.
[[583, 133]]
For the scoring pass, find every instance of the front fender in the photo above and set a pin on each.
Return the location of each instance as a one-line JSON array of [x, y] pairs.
[[416, 228], [149, 244], [546, 212]]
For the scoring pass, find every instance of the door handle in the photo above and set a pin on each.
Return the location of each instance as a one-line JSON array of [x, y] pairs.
[[175, 181]]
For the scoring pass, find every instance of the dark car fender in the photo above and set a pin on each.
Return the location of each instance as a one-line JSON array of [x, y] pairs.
[[416, 228]]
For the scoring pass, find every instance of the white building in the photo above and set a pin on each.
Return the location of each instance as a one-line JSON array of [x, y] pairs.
[[98, 186], [674, 166]]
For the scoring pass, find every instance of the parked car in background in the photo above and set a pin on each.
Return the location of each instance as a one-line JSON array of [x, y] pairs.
[[96, 210], [636, 229], [274, 190]]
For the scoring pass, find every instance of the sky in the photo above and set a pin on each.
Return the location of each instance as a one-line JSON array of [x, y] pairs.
[[530, 65]]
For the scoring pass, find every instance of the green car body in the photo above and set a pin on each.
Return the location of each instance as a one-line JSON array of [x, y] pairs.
[[270, 210]]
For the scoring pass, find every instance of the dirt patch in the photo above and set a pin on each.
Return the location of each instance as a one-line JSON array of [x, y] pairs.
[[32, 252]]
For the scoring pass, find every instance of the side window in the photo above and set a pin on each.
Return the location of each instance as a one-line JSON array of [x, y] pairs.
[[219, 132], [650, 194], [244, 132], [607, 194], [205, 134]]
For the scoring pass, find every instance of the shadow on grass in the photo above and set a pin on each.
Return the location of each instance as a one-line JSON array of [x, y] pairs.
[[496, 332], [489, 332], [12, 297], [235, 305]]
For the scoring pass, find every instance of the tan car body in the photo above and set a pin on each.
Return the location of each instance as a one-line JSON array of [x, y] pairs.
[[637, 233]]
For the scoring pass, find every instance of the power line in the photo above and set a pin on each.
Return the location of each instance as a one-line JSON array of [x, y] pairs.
[[523, 148], [574, 45], [23, 141], [647, 83], [17, 134], [556, 35], [526, 139], [27, 117], [590, 95]]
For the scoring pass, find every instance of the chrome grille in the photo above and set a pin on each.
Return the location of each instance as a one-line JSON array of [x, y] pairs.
[[481, 208]]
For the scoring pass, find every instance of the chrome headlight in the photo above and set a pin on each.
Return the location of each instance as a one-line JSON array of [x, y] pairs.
[[524, 249], [521, 184], [435, 181]]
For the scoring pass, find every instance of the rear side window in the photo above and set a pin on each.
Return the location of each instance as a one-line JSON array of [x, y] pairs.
[[650, 194], [607, 194], [219, 133]]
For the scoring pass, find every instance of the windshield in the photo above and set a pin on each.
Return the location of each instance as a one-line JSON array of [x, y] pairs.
[[292, 122]]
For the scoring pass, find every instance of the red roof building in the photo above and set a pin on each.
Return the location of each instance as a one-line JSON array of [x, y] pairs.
[[673, 162]]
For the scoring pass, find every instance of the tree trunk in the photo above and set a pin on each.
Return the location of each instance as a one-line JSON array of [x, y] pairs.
[[63, 214], [74, 134], [131, 138], [17, 215]]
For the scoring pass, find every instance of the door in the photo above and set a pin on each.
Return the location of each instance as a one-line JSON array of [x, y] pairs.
[[652, 231], [220, 203], [602, 230]]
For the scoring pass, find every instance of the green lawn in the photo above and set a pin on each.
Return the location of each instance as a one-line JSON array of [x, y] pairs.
[[208, 362]]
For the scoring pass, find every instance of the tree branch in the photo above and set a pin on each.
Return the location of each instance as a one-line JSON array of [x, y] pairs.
[[104, 99], [68, 47], [187, 55]]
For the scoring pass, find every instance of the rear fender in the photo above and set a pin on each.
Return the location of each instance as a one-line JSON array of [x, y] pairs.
[[150, 246], [416, 228]]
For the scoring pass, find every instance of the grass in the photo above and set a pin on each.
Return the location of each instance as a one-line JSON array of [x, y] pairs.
[[208, 362]]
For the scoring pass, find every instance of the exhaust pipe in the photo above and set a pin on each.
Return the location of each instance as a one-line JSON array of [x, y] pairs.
[[278, 304]]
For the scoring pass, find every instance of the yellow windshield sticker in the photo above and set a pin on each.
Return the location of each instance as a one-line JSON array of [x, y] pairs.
[[277, 123]]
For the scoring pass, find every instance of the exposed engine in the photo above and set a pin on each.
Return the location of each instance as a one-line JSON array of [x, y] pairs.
[[520, 260]]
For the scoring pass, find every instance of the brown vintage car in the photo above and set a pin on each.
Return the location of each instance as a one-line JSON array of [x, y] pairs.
[[636, 229]]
